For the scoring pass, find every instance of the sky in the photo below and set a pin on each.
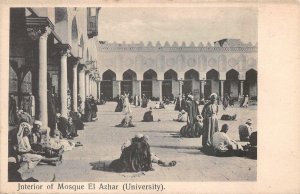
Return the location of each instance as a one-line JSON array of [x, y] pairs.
[[197, 24]]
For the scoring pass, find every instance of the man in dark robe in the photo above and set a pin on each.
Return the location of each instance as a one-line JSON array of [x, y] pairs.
[[51, 112], [120, 101], [178, 104], [210, 121], [94, 108], [135, 158], [227, 117], [194, 121], [87, 110], [144, 101], [225, 101], [65, 127], [148, 116], [12, 110]]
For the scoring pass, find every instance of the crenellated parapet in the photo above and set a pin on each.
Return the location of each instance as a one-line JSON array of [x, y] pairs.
[[224, 45]]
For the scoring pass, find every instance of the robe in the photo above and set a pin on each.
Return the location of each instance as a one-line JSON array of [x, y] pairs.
[[119, 107], [135, 158], [225, 101], [210, 123], [12, 111], [87, 111], [193, 111], [144, 102], [51, 112], [148, 117]]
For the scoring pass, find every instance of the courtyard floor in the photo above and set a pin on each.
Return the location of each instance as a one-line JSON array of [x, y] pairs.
[[102, 143]]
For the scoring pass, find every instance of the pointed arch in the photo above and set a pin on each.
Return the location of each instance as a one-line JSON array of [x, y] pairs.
[[150, 75], [250, 85], [212, 75], [129, 75], [170, 75], [109, 75], [191, 74]]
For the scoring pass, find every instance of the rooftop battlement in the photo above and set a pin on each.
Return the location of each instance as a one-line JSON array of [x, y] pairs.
[[234, 45]]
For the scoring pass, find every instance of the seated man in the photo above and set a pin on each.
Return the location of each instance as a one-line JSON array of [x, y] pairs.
[[161, 105], [136, 156], [148, 116], [245, 130], [126, 122], [65, 127], [227, 117], [182, 117], [223, 145], [156, 106], [35, 137]]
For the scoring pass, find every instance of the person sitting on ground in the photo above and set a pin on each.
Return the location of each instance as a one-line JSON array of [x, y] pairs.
[[24, 149], [182, 117], [148, 116], [64, 127], [24, 117], [77, 122], [223, 145], [245, 130], [193, 131], [156, 106], [161, 105], [227, 117], [127, 121], [136, 156], [35, 137]]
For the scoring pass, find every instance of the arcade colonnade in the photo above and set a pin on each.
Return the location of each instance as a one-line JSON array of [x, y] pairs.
[[227, 66], [50, 66], [170, 84]]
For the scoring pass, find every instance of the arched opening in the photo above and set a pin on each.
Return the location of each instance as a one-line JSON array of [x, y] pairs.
[[250, 85], [169, 83], [74, 36], [147, 84], [191, 83], [211, 83], [129, 77], [107, 84], [231, 85]]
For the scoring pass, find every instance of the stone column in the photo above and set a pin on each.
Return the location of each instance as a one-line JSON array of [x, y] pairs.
[[180, 86], [202, 88], [87, 84], [64, 81], [160, 89], [221, 89], [99, 89], [139, 88], [75, 93], [81, 77], [42, 80], [242, 87], [90, 85]]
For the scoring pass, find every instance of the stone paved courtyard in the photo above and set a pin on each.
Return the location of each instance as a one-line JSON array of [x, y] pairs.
[[102, 142]]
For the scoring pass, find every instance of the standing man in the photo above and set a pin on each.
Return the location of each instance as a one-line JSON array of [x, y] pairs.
[[210, 121]]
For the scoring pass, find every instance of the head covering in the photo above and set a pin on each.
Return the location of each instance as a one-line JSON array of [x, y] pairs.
[[191, 96], [22, 127], [37, 122], [182, 111], [249, 121], [213, 96], [139, 135]]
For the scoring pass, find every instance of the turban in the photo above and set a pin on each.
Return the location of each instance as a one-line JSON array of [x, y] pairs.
[[37, 122]]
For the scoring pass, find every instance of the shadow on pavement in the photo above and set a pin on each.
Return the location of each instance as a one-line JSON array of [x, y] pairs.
[[101, 165]]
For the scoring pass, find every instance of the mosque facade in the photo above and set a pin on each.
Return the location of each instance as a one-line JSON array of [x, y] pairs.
[[158, 70]]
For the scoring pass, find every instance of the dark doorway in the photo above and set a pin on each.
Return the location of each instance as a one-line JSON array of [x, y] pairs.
[[107, 84], [169, 76], [148, 77], [127, 84]]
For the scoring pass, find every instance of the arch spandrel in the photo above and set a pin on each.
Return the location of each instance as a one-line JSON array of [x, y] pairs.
[[202, 61], [222, 61]]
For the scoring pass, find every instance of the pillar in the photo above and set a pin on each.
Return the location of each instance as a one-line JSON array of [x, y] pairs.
[[99, 89], [64, 81], [202, 88], [87, 84], [90, 85], [139, 87], [81, 77], [43, 78], [180, 86], [160, 90], [75, 93], [221, 89], [242, 87]]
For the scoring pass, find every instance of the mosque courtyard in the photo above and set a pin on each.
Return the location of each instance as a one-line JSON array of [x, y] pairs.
[[102, 143]]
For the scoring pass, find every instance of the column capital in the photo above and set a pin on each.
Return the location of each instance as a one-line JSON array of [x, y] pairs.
[[39, 27], [64, 49]]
